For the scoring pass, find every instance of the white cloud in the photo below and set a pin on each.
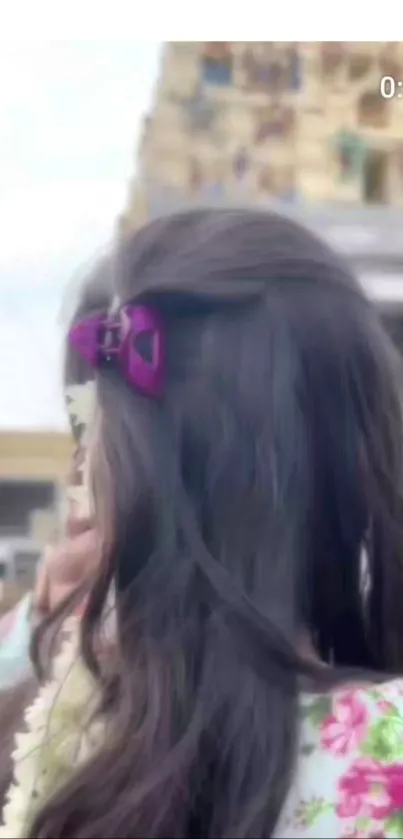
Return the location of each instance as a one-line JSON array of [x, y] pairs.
[[70, 114], [56, 218]]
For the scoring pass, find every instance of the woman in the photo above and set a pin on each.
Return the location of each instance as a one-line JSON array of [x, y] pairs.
[[68, 564], [61, 585], [65, 568], [245, 459]]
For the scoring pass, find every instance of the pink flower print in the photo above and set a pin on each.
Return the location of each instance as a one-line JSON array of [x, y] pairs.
[[355, 786], [346, 726], [394, 781], [370, 790], [390, 691], [386, 707], [371, 831]]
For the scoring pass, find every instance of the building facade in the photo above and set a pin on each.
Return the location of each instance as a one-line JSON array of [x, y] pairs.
[[33, 470], [295, 122]]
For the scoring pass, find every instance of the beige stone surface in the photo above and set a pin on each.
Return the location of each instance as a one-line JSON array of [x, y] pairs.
[[342, 142], [38, 456]]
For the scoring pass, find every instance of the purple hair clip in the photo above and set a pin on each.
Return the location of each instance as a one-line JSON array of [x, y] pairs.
[[100, 339]]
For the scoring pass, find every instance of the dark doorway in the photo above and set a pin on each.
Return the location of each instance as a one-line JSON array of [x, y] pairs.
[[375, 177], [18, 500]]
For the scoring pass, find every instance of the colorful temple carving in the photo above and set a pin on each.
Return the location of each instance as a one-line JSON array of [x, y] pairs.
[[293, 122]]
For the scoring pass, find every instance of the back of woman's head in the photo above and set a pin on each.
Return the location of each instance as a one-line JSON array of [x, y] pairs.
[[236, 506]]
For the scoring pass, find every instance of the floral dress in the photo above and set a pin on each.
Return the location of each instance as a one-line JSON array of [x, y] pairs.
[[349, 775]]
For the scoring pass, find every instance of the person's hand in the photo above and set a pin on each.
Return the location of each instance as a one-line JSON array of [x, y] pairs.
[[66, 566]]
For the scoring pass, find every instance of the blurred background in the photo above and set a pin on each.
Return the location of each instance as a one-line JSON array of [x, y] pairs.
[[98, 137]]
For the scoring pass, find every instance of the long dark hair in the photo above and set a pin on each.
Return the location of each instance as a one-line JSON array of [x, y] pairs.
[[241, 505]]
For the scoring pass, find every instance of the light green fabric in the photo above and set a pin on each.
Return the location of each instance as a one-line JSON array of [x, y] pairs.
[[14, 646]]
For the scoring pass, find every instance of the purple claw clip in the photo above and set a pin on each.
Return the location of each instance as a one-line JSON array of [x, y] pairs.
[[97, 338]]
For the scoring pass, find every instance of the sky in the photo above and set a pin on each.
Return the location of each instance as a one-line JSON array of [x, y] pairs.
[[70, 117], [71, 114]]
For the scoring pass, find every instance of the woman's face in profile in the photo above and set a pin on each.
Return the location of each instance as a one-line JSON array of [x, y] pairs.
[[71, 561], [66, 566]]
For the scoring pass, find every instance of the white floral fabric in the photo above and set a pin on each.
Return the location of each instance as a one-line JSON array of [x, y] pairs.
[[349, 775], [348, 779]]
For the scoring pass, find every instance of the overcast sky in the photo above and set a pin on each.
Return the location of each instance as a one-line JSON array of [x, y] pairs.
[[70, 116]]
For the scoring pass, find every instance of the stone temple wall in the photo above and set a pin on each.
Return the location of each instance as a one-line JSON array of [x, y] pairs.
[[298, 123]]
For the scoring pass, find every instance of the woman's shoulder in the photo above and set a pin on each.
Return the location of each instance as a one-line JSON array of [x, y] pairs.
[[349, 778]]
